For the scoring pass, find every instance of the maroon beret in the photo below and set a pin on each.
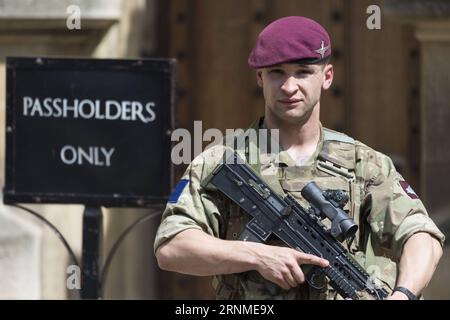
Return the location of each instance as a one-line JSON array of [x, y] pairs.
[[290, 39]]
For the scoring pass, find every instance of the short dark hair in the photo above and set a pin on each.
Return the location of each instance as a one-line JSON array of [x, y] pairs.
[[324, 61], [319, 61]]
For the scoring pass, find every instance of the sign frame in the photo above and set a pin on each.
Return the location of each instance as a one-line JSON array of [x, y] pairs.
[[10, 193]]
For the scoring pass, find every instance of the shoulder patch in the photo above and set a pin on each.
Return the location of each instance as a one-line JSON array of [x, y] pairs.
[[408, 190], [178, 190], [330, 135]]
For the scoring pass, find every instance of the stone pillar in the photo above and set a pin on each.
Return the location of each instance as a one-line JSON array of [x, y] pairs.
[[20, 255], [109, 29], [431, 19]]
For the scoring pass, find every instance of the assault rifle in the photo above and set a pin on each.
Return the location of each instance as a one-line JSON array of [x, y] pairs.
[[300, 228]]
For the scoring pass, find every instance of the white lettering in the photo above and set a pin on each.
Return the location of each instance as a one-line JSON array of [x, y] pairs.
[[57, 107], [107, 155], [187, 310], [109, 115], [150, 111], [88, 109], [82, 112], [97, 162], [85, 155], [94, 156], [134, 108], [64, 158], [74, 279], [74, 19], [374, 20], [73, 108], [47, 106], [126, 109], [98, 114], [27, 103], [197, 138], [181, 152], [212, 133], [36, 108], [137, 111]]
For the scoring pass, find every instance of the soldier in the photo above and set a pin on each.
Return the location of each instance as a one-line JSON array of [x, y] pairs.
[[199, 230]]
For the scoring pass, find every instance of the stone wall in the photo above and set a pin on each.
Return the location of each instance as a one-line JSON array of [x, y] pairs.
[[33, 261]]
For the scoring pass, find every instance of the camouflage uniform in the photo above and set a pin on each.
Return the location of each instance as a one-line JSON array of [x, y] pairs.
[[384, 206]]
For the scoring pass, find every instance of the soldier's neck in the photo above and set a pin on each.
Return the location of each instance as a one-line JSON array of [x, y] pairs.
[[302, 135]]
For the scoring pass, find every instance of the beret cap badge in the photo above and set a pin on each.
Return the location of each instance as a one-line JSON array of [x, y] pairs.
[[322, 50]]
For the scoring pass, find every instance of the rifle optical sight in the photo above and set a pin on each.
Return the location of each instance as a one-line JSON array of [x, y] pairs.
[[325, 205]]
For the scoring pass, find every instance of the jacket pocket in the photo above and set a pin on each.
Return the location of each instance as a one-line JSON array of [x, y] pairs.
[[383, 271]]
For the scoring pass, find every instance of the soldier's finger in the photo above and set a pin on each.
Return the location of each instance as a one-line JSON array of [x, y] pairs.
[[298, 274], [304, 258], [290, 280]]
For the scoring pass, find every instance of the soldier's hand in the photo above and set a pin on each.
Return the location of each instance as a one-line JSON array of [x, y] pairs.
[[281, 265]]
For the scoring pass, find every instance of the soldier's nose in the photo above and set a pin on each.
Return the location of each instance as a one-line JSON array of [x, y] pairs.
[[290, 86]]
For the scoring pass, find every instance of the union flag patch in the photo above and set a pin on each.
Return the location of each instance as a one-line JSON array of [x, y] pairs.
[[178, 190], [409, 190]]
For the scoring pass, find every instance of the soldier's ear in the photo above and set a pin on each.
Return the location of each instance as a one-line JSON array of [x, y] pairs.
[[259, 78], [328, 74]]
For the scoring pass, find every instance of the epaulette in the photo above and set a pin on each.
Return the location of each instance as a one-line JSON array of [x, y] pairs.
[[331, 135], [337, 156]]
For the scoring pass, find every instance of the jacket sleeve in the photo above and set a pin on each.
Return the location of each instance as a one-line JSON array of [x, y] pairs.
[[190, 205], [390, 206]]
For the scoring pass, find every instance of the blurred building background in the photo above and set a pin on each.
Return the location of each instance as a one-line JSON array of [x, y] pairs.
[[391, 91]]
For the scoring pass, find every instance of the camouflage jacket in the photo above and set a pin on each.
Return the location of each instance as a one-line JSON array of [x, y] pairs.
[[381, 202]]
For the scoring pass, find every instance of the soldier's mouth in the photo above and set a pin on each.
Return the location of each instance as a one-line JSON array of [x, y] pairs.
[[289, 102]]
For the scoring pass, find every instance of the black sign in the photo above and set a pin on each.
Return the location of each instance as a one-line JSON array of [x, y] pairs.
[[88, 131]]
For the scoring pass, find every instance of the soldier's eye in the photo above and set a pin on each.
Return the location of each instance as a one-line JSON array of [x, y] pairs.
[[304, 72], [276, 71]]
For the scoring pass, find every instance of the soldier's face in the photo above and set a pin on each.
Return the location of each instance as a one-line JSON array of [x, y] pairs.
[[291, 91]]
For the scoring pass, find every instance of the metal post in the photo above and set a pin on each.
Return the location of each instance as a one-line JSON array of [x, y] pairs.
[[92, 234]]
